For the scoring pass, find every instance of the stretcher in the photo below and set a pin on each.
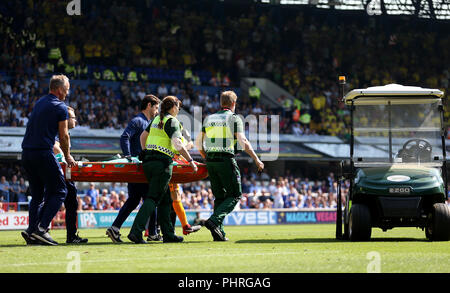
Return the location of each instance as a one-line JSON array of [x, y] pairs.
[[125, 170]]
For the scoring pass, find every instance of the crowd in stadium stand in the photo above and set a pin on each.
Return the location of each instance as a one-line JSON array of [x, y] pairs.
[[13, 184], [293, 193], [284, 46]]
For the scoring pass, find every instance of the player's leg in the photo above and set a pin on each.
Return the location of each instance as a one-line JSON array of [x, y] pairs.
[[179, 210], [134, 198], [71, 204], [173, 215]]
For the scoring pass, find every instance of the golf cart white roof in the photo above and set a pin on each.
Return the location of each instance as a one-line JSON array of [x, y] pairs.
[[377, 94]]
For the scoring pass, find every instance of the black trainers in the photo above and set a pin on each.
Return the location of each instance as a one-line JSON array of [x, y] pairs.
[[215, 231], [155, 237], [115, 236], [136, 239], [28, 238], [175, 239], [43, 237], [75, 239], [223, 239]]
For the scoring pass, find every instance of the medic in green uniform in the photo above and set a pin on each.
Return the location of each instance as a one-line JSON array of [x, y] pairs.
[[216, 143], [164, 140]]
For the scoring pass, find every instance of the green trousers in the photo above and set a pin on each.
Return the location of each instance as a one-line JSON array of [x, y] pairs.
[[225, 178], [158, 174]]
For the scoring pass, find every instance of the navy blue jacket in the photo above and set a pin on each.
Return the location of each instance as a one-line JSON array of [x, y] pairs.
[[42, 126], [130, 138]]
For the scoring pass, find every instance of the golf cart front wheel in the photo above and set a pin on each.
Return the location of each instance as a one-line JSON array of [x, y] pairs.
[[439, 227], [359, 223]]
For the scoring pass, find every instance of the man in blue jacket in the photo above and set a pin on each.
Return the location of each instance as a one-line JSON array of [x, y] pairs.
[[48, 119], [131, 147]]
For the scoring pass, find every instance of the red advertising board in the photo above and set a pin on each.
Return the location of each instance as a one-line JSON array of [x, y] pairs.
[[13, 221]]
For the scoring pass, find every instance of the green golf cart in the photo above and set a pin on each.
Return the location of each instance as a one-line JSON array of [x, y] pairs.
[[397, 166]]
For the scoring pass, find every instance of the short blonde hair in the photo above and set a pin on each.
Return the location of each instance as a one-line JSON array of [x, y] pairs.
[[227, 98], [57, 81]]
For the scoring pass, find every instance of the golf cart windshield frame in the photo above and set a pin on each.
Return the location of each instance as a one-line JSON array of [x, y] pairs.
[[389, 101]]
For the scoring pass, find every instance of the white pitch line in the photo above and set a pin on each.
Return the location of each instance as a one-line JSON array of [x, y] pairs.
[[152, 258]]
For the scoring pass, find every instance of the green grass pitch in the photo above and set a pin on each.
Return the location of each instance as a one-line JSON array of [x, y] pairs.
[[251, 249]]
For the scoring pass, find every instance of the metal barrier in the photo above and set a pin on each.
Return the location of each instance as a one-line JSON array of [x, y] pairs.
[[9, 206], [14, 206], [22, 206]]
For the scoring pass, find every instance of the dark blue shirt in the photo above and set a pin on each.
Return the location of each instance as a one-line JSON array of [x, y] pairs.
[[130, 139], [42, 126]]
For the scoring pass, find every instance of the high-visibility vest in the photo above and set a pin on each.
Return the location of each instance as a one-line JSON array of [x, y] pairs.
[[60, 62], [132, 76], [287, 103], [69, 68], [218, 132], [50, 67], [108, 75], [254, 92], [54, 53], [297, 103], [158, 140], [187, 74], [305, 118]]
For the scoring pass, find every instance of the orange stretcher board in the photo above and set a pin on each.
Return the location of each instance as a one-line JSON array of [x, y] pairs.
[[129, 172]]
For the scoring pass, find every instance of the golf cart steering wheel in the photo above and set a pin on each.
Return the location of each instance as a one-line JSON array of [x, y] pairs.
[[415, 150]]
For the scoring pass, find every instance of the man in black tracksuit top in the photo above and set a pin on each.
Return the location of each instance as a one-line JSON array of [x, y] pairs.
[[131, 147]]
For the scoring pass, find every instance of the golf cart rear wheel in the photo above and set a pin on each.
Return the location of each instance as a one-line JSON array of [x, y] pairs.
[[359, 223], [439, 228]]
